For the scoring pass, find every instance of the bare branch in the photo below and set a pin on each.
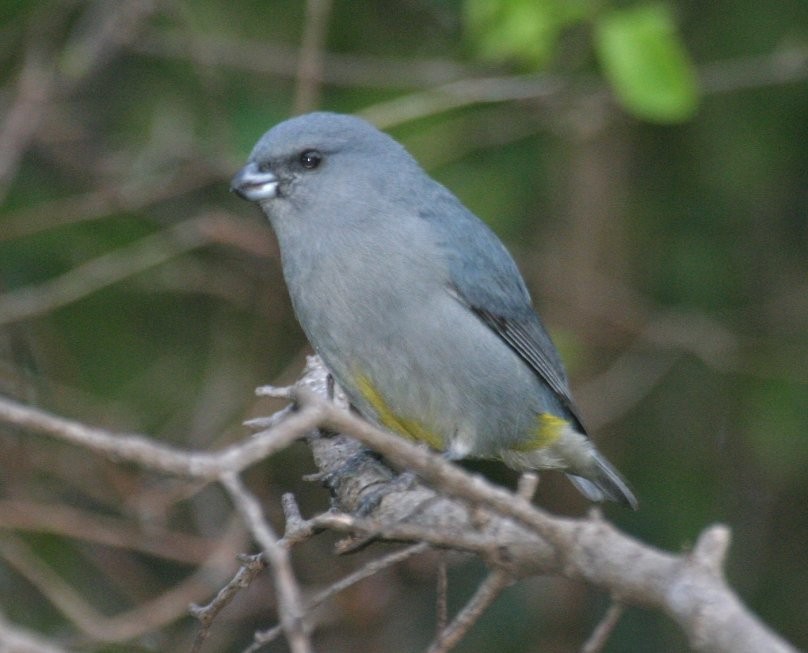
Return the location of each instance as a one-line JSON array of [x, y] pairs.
[[158, 457], [16, 640], [290, 603], [339, 69], [310, 63], [367, 570], [784, 66], [592, 550], [103, 30], [442, 598], [604, 629], [250, 567], [146, 617], [122, 196], [109, 268], [67, 521], [485, 595], [457, 94], [456, 510], [24, 115]]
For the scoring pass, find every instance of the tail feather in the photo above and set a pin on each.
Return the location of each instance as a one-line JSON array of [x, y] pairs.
[[604, 482]]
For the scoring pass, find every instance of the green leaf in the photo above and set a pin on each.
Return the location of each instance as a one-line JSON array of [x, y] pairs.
[[524, 31], [646, 62]]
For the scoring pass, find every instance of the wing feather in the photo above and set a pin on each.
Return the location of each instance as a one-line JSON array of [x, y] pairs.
[[485, 278]]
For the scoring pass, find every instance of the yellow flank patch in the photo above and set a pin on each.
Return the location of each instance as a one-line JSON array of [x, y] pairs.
[[409, 428], [548, 431]]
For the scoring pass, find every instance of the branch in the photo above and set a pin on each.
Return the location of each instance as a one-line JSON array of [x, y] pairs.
[[600, 635], [455, 510], [111, 267], [146, 617], [251, 566], [290, 603], [67, 521], [786, 66], [262, 57], [509, 532], [16, 640], [367, 570], [310, 62], [128, 195], [161, 458], [24, 115], [485, 595]]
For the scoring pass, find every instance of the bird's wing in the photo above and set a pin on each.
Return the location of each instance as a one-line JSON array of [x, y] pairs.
[[531, 342], [484, 277]]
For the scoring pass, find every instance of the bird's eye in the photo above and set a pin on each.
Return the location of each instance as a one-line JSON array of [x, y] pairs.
[[310, 159]]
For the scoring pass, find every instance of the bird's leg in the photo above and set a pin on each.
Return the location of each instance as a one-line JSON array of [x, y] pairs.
[[355, 467]]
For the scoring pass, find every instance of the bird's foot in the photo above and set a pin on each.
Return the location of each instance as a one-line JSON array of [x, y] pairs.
[[371, 501]]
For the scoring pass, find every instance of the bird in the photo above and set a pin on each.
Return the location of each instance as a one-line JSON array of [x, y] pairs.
[[414, 304]]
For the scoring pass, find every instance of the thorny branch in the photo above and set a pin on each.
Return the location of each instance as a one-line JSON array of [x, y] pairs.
[[450, 509]]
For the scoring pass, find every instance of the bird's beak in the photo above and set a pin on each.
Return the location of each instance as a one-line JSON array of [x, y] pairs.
[[253, 184]]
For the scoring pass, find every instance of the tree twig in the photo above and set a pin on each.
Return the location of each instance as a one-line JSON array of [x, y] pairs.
[[24, 115], [442, 596], [251, 566], [159, 457], [310, 62], [123, 626], [597, 640], [16, 640], [486, 594], [290, 602], [369, 569], [67, 521]]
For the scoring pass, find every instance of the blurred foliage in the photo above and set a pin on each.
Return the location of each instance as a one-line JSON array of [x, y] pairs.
[[670, 261], [643, 58], [638, 47], [525, 31]]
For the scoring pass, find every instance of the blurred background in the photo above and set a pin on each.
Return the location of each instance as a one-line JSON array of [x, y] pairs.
[[646, 163]]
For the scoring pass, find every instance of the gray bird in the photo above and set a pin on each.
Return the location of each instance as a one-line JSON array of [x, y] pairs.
[[414, 304]]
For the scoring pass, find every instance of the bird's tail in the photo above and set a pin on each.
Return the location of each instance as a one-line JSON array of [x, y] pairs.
[[604, 482]]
